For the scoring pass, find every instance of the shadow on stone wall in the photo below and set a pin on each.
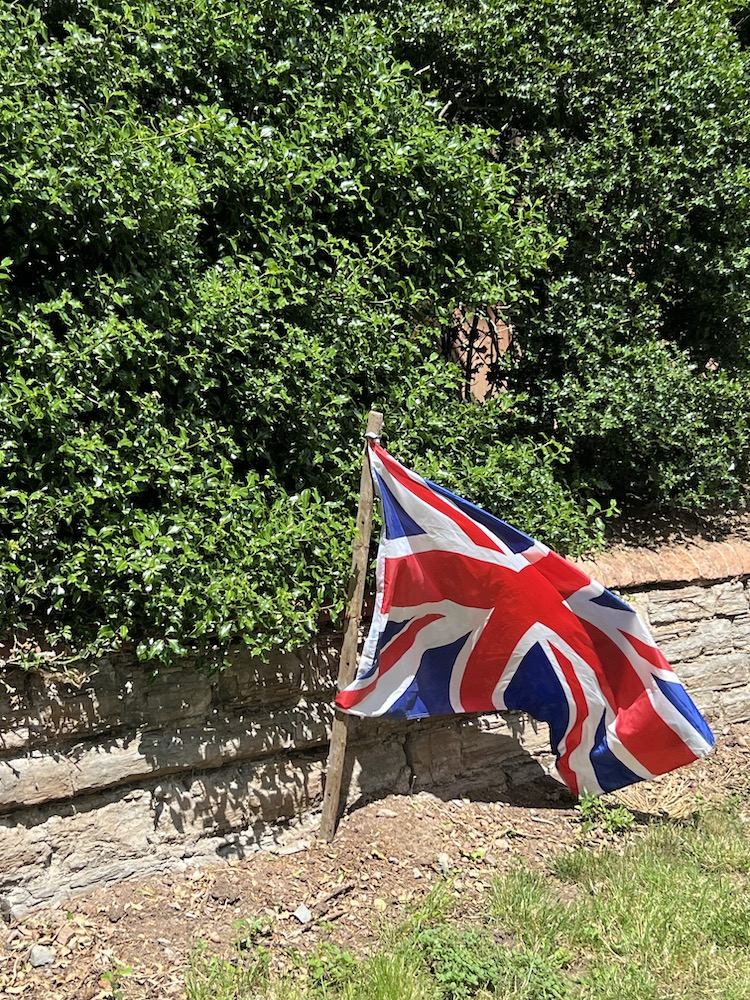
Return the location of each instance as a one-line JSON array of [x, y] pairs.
[[499, 758]]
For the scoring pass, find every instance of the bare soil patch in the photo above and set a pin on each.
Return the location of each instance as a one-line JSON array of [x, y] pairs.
[[386, 856]]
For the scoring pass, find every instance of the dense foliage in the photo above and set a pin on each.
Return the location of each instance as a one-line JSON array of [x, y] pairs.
[[230, 228], [631, 122]]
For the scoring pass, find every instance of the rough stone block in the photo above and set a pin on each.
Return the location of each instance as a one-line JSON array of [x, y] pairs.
[[716, 672], [734, 704], [710, 637], [685, 644], [22, 848], [256, 683], [639, 602], [42, 776], [434, 754], [378, 768], [13, 700], [13, 737], [236, 798], [55, 851], [705, 701], [486, 755], [731, 598], [741, 632], [118, 694], [683, 605], [121, 693]]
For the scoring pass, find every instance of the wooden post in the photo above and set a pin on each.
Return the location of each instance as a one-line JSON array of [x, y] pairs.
[[348, 659]]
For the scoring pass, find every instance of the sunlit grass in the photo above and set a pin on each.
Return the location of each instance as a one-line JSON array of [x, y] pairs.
[[667, 917]]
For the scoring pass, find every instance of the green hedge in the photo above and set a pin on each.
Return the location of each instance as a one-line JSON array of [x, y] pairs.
[[629, 120], [231, 228]]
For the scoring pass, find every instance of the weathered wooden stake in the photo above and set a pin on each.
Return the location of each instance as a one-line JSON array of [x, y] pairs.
[[348, 658]]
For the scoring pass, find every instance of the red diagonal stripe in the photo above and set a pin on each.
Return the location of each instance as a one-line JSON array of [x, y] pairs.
[[563, 575], [469, 527], [388, 657], [573, 739], [639, 727]]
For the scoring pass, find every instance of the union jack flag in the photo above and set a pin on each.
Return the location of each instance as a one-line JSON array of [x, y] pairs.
[[471, 615]]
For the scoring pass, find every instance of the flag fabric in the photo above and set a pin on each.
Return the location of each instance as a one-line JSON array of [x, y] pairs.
[[472, 615]]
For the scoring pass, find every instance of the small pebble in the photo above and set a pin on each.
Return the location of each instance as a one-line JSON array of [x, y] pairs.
[[302, 914], [444, 863], [40, 955]]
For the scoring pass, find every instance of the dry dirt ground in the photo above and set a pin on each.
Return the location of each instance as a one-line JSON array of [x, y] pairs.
[[385, 857]]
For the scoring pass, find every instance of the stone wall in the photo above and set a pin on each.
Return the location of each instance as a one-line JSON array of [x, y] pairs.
[[128, 775]]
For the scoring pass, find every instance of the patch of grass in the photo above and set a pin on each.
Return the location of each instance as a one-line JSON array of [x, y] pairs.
[[392, 976], [596, 814], [330, 972], [524, 903], [215, 977], [721, 842], [666, 917], [463, 962]]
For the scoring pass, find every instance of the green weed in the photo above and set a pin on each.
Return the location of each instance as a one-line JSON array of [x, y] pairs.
[[433, 909], [329, 969], [113, 978], [249, 931], [596, 814], [465, 961], [215, 977]]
